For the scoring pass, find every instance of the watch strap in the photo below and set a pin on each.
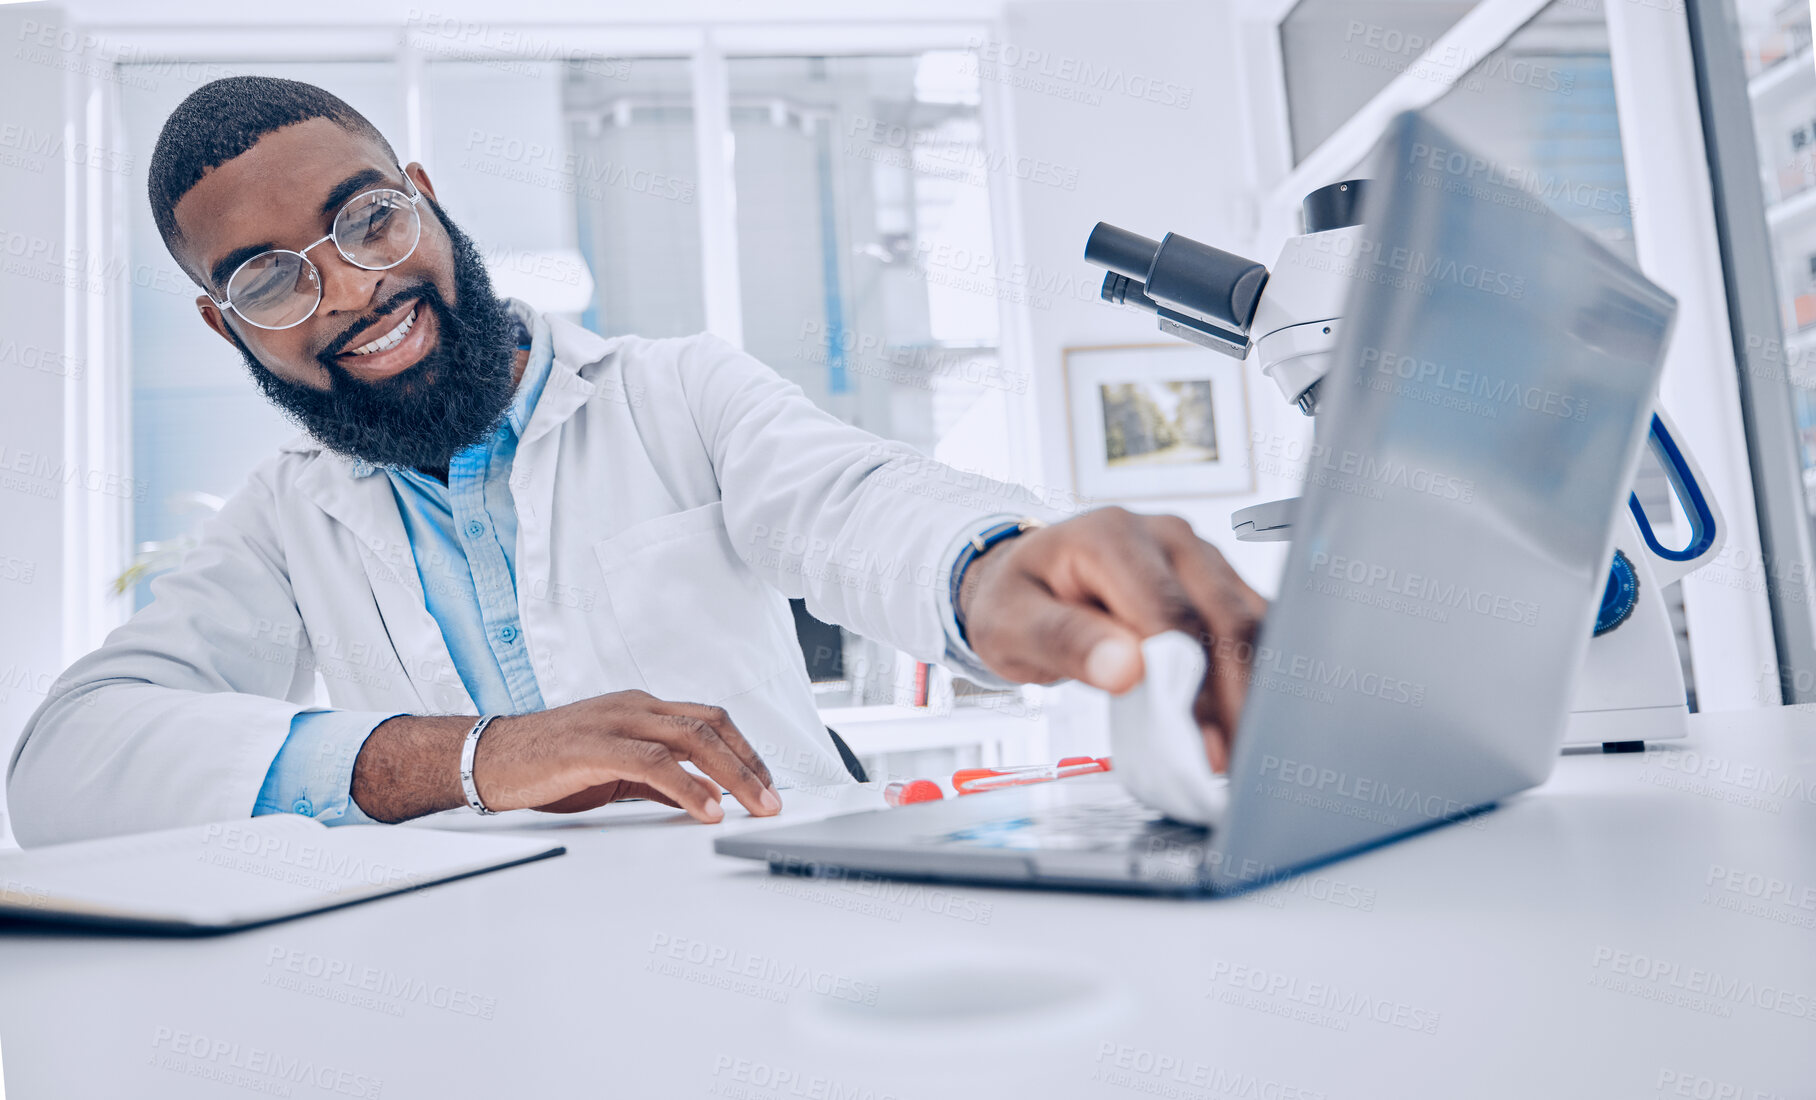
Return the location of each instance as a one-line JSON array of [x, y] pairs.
[[974, 547]]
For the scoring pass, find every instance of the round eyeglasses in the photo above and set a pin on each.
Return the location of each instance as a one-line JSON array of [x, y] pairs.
[[281, 289]]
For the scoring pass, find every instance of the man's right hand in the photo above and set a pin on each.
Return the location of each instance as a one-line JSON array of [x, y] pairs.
[[627, 744]]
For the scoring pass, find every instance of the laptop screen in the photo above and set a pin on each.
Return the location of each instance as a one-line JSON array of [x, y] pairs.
[[1477, 436]]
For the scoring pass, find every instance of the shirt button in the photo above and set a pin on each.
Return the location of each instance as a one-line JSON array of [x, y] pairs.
[[509, 633], [475, 528], [303, 806]]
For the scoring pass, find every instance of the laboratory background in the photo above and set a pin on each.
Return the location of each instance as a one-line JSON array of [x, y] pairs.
[[887, 203]]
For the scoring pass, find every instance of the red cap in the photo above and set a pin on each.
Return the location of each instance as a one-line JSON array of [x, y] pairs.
[[915, 790]]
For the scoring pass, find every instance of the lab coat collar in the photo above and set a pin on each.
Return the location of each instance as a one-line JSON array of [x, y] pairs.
[[565, 391], [367, 508], [344, 489]]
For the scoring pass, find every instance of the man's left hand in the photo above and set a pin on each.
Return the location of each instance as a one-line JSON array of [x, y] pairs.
[[1075, 600]]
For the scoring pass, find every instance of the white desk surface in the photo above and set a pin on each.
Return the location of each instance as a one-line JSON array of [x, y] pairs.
[[1582, 941]]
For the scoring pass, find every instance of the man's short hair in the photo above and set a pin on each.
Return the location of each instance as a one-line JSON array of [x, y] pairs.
[[224, 118]]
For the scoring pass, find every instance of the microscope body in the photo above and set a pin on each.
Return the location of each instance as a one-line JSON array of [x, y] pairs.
[[1300, 317], [1290, 318]]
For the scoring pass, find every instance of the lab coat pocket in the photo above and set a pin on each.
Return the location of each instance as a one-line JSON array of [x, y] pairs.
[[699, 624]]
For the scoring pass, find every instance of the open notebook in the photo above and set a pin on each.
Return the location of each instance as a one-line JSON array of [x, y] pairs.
[[234, 874]]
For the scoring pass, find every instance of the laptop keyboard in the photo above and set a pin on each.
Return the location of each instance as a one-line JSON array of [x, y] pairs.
[[1116, 824]]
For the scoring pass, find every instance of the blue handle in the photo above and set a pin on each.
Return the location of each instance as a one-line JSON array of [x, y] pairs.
[[1689, 495]]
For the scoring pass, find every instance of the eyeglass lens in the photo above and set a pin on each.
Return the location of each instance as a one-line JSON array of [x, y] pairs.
[[377, 229], [275, 289], [278, 289]]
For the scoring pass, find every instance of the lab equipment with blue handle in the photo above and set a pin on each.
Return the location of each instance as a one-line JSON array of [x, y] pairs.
[[1631, 687]]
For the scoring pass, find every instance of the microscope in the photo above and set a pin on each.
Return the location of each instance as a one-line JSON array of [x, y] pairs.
[[1631, 689]]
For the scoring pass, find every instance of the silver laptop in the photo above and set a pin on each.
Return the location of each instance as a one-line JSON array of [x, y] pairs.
[[1449, 553]]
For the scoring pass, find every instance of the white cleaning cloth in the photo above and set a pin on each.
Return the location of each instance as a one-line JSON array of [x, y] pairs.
[[1155, 743]]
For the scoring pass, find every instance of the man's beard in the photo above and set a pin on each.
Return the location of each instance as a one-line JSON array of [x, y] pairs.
[[455, 396]]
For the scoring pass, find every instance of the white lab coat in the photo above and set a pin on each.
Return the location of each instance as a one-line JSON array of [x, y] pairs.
[[670, 494]]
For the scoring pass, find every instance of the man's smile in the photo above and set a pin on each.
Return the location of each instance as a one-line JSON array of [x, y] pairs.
[[422, 366], [391, 344]]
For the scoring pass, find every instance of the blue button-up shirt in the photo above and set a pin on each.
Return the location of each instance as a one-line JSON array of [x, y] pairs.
[[464, 538]]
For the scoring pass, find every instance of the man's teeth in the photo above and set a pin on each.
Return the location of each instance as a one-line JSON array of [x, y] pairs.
[[389, 339]]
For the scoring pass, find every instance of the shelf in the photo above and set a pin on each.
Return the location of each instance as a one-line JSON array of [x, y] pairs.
[[1792, 72], [1013, 734]]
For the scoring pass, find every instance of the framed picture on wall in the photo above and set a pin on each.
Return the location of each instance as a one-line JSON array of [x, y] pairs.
[[1157, 420]]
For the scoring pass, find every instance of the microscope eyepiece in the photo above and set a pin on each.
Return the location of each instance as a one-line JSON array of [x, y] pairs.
[[1180, 276], [1120, 290], [1121, 251], [1335, 206]]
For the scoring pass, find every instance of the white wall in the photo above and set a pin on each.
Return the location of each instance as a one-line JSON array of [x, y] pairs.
[[1146, 166], [33, 376], [1149, 166]]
